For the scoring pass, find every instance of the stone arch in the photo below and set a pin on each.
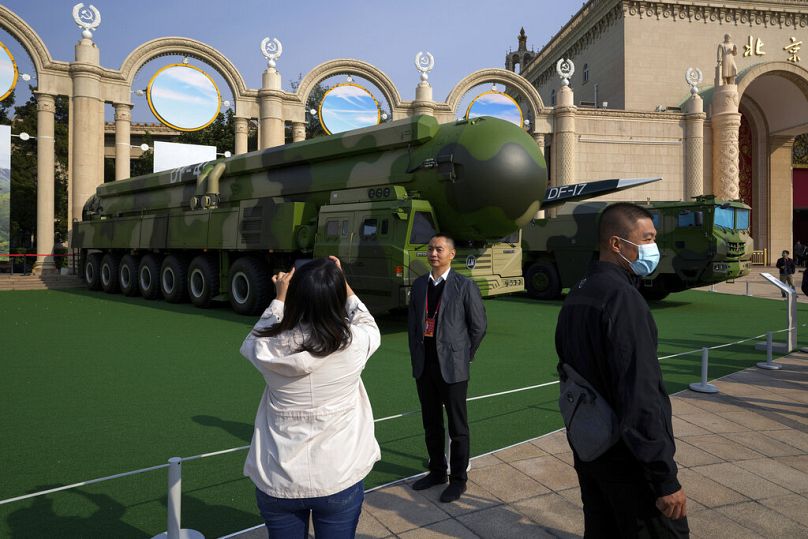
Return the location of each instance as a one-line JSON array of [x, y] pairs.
[[353, 67], [27, 37], [792, 72], [502, 76], [165, 46]]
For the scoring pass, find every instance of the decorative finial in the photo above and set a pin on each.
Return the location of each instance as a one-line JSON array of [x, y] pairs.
[[694, 77], [87, 18], [424, 64], [565, 69], [272, 50]]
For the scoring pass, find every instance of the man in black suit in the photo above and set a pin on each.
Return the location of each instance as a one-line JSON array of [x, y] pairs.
[[446, 326]]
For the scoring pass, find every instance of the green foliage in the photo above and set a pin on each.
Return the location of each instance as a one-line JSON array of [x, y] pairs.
[[313, 126]]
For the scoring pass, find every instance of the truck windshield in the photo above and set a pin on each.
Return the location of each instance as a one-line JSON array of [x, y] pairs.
[[741, 219], [724, 217], [423, 228]]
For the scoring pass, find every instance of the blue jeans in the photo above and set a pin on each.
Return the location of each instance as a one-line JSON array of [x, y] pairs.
[[335, 516]]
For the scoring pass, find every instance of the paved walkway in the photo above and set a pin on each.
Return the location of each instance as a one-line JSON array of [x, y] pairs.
[[743, 456]]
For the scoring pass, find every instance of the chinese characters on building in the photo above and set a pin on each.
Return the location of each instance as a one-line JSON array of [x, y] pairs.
[[754, 47]]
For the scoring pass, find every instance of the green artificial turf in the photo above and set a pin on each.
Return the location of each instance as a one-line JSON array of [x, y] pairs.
[[92, 385]]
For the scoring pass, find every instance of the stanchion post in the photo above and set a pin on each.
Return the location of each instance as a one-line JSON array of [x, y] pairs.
[[703, 386], [747, 289], [174, 505], [769, 364]]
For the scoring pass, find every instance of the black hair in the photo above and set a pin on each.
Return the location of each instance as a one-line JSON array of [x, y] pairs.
[[316, 297], [446, 237], [619, 219]]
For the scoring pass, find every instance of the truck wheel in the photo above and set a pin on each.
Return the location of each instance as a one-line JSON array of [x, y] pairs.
[[203, 281], [542, 281], [127, 275], [109, 273], [173, 279], [92, 271], [148, 277], [250, 290]]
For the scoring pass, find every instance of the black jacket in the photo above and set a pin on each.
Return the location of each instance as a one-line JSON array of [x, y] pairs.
[[460, 326], [606, 332], [786, 266]]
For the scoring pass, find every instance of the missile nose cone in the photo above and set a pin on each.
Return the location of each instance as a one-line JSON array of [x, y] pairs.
[[500, 180]]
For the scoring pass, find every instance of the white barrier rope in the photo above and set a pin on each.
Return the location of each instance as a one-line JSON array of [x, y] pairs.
[[404, 414]]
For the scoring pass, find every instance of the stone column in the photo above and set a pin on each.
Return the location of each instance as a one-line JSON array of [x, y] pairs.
[[298, 131], [726, 121], [539, 138], [45, 175], [423, 103], [781, 205], [242, 128], [694, 147], [271, 105], [123, 151], [87, 122], [565, 137]]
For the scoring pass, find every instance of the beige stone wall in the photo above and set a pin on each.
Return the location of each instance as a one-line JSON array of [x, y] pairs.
[[604, 55], [659, 49], [618, 144]]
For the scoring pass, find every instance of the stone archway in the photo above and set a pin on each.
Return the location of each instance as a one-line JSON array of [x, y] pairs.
[[501, 76], [166, 46], [774, 98], [353, 67], [28, 38]]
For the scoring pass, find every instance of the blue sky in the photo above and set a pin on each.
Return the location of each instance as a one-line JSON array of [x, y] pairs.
[[463, 36]]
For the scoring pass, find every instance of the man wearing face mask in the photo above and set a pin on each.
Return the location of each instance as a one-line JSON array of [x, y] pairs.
[[607, 334]]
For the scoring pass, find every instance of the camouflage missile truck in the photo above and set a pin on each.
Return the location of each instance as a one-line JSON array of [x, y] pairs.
[[372, 196], [703, 241]]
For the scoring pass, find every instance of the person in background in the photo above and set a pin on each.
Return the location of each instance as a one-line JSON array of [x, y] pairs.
[[607, 334], [446, 325], [799, 253], [314, 441], [787, 269]]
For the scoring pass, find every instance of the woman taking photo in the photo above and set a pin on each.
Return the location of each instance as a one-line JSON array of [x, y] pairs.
[[313, 441]]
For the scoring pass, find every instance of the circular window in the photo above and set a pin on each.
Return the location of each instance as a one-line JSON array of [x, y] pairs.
[[496, 104], [348, 106], [184, 97]]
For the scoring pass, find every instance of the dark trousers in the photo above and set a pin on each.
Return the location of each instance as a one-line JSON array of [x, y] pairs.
[[334, 517], [619, 502], [434, 394]]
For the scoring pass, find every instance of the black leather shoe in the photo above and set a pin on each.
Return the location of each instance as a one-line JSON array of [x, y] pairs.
[[453, 492], [429, 480]]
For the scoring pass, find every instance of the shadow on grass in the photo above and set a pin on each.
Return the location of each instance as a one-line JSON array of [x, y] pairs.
[[393, 322], [40, 519], [242, 431]]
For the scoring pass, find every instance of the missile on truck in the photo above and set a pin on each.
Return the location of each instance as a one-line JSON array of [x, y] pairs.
[[372, 197], [702, 241]]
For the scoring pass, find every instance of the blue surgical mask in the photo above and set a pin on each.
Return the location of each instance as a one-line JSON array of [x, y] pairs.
[[647, 258]]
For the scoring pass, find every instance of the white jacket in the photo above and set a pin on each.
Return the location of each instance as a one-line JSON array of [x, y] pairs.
[[314, 427]]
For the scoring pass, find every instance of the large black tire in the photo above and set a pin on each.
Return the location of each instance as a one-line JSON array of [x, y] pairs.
[[92, 271], [250, 288], [173, 279], [542, 280], [127, 276], [109, 273], [203, 280], [148, 277]]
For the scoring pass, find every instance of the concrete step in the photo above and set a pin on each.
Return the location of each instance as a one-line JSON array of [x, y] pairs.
[[34, 282]]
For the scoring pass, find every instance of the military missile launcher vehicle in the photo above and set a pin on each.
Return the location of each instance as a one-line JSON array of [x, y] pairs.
[[372, 197], [702, 242]]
